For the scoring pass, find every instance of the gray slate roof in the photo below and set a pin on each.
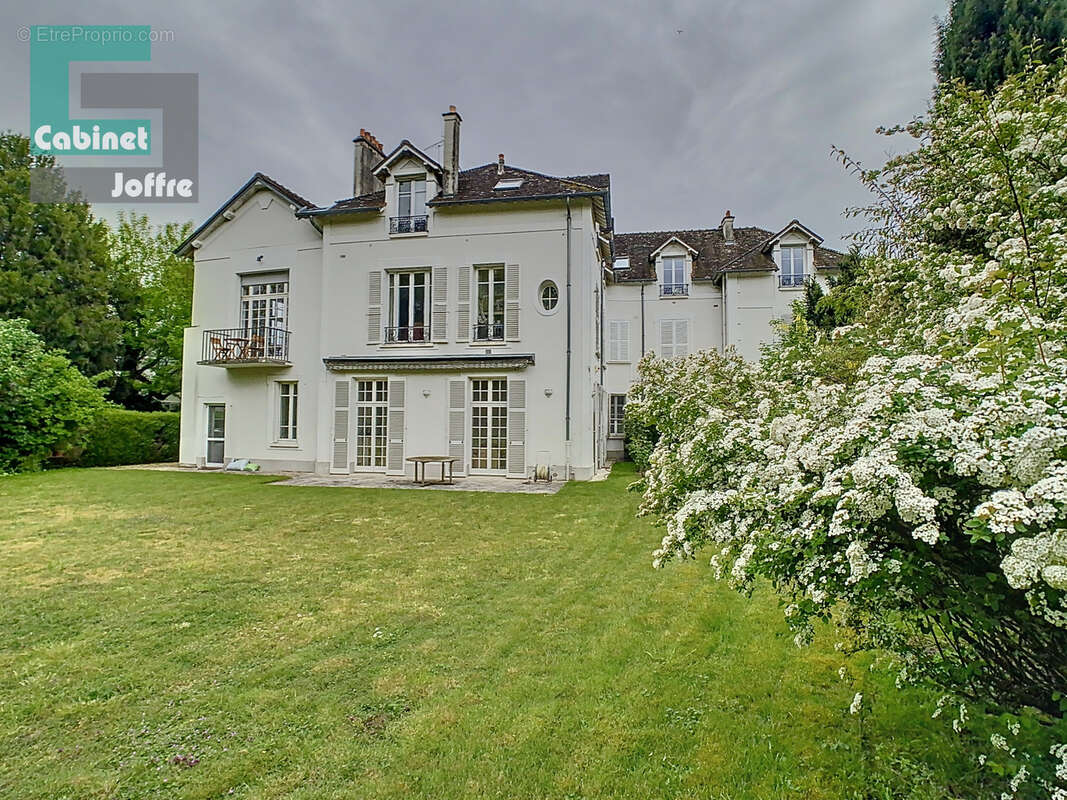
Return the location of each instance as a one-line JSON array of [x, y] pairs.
[[750, 252], [476, 186]]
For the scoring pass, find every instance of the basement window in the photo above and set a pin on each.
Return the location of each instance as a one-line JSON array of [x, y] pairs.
[[509, 183]]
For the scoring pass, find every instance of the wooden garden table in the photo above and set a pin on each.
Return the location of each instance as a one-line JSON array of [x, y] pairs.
[[424, 460]]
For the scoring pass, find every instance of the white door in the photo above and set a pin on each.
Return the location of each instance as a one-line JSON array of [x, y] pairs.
[[372, 424], [216, 435], [489, 426]]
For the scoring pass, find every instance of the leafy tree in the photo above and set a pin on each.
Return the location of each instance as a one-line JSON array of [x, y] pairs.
[[153, 292], [845, 302], [55, 269], [982, 42], [45, 403]]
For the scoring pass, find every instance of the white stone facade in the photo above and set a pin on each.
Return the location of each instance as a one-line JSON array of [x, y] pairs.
[[490, 329]]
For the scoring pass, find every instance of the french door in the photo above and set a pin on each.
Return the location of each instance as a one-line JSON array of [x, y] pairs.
[[372, 424], [216, 435], [489, 425]]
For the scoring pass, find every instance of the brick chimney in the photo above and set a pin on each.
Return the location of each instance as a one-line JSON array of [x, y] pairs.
[[500, 164], [368, 153], [727, 226], [451, 150]]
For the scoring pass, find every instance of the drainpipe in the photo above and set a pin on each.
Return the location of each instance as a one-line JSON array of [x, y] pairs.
[[567, 392], [725, 329], [598, 399], [642, 320]]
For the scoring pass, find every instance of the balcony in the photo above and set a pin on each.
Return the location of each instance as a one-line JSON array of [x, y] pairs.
[[416, 334], [489, 332], [792, 281], [674, 290], [245, 347], [417, 224]]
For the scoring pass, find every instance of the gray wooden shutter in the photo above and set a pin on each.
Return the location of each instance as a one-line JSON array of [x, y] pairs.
[[374, 306], [681, 337], [666, 338], [511, 302], [463, 305], [439, 320], [339, 462], [395, 455], [457, 423], [517, 428]]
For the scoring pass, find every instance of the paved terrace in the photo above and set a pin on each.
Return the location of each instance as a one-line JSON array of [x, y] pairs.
[[474, 483]]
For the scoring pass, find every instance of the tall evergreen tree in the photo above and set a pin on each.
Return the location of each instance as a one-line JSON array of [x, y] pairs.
[[55, 267], [984, 41]]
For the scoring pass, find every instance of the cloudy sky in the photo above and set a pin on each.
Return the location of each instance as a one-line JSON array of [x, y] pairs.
[[693, 107]]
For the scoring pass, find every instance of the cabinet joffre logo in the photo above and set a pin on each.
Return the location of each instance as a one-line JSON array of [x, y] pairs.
[[126, 163]]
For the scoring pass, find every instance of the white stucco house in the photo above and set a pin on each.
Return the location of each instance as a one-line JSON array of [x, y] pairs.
[[488, 314]]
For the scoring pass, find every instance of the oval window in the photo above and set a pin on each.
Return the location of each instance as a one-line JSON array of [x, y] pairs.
[[549, 296]]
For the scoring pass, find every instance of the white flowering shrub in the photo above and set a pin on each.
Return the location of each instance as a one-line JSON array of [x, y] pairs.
[[909, 473]]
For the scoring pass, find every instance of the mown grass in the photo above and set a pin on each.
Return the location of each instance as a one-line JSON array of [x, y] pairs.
[[201, 636]]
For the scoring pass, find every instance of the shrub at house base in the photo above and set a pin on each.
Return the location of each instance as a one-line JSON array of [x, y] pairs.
[[45, 403], [907, 473]]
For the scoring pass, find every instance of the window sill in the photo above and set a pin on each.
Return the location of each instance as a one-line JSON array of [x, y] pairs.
[[609, 361], [408, 235], [286, 445], [406, 345], [619, 436], [489, 343]]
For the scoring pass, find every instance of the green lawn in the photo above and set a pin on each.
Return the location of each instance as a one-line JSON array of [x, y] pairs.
[[182, 635]]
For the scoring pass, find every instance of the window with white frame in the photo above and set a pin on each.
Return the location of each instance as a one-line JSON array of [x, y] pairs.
[[793, 258], [264, 314], [287, 411], [264, 301], [672, 270], [549, 294], [410, 206], [674, 338], [490, 304], [489, 424], [409, 320], [372, 423], [619, 340], [616, 415]]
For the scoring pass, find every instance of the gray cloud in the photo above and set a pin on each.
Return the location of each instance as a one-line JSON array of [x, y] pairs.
[[692, 107]]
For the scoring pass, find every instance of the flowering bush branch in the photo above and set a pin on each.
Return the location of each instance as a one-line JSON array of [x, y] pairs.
[[921, 491]]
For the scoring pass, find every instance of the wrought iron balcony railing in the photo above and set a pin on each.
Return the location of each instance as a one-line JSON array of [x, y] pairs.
[[792, 280], [408, 333], [245, 346], [489, 332], [674, 289], [408, 224]]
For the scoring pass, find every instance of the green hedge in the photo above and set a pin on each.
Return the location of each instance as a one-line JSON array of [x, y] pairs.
[[119, 436]]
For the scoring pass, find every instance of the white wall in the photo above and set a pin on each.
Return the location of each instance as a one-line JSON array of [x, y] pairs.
[[264, 226], [328, 317], [532, 236], [754, 300]]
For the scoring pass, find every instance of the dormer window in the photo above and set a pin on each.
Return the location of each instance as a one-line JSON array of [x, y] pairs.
[[621, 264], [410, 206], [507, 183], [672, 274], [793, 258]]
